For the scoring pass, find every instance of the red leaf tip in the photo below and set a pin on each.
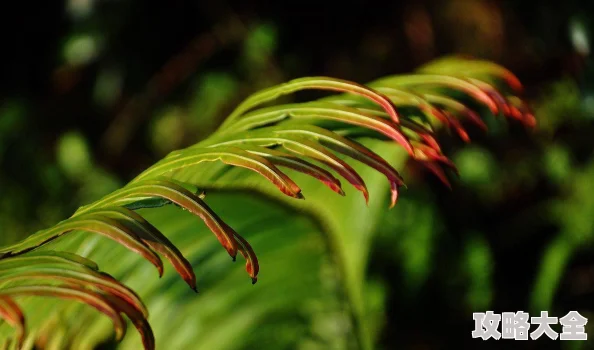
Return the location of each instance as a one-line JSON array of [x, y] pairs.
[[394, 188], [365, 192]]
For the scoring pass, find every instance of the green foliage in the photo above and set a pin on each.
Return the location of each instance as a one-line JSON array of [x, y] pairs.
[[324, 243]]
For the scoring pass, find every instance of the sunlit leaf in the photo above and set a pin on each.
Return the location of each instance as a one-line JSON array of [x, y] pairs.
[[174, 193], [318, 83], [228, 155], [92, 223]]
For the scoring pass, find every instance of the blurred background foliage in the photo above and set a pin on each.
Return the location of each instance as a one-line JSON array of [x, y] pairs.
[[95, 91]]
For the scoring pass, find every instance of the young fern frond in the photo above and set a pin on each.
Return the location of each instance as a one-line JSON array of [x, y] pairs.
[[400, 109]]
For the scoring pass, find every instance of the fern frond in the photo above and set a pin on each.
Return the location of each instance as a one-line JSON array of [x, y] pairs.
[[63, 276], [262, 139]]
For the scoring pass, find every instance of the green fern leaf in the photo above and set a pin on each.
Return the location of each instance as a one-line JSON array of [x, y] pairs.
[[379, 125]]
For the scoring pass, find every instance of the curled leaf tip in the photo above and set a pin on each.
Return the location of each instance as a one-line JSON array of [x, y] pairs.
[[430, 141], [464, 136], [251, 260], [365, 192], [437, 171], [334, 186], [195, 289], [191, 282], [254, 280], [234, 258], [394, 187], [476, 119], [292, 191], [529, 120], [394, 199], [454, 168]]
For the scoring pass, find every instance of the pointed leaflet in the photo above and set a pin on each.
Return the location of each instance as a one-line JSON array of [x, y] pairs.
[[154, 239], [409, 98], [520, 111], [425, 153], [319, 83], [431, 113], [84, 279], [251, 260], [48, 258], [40, 269], [457, 127], [292, 162], [139, 321], [155, 202], [457, 108], [92, 223], [495, 95], [316, 111], [347, 147], [437, 171], [401, 98], [175, 193], [472, 67], [11, 313], [228, 155], [93, 299], [302, 147], [424, 81], [425, 150], [411, 128]]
